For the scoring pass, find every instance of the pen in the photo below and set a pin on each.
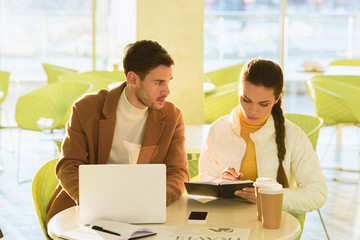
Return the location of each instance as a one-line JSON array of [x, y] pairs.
[[235, 171], [98, 228]]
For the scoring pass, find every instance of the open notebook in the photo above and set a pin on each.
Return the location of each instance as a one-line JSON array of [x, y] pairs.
[[109, 231]]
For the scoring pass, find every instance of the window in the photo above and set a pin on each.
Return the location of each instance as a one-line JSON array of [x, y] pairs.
[[60, 32], [238, 30]]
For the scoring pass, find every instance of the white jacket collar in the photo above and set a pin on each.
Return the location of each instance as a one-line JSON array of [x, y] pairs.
[[266, 132]]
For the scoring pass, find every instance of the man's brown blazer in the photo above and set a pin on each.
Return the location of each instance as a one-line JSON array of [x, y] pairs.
[[89, 137]]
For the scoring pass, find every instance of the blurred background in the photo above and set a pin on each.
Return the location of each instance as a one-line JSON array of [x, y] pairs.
[[88, 35]]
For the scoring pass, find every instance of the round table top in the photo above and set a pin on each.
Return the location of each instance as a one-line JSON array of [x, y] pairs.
[[229, 213]]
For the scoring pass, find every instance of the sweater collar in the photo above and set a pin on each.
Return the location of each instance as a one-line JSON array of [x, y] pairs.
[[129, 110], [112, 101], [263, 135]]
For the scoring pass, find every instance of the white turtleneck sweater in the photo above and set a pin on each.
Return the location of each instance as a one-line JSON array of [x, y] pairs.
[[129, 131]]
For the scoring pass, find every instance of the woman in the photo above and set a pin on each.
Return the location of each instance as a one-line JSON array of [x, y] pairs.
[[256, 141]]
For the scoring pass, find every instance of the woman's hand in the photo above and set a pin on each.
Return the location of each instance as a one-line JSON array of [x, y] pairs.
[[247, 194], [229, 174]]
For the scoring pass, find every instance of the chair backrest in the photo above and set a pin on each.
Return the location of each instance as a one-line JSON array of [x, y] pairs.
[[346, 62], [335, 101], [43, 187], [225, 75], [4, 85], [48, 107], [58, 143], [116, 75], [53, 72], [97, 80], [219, 103], [193, 162], [349, 79], [309, 124]]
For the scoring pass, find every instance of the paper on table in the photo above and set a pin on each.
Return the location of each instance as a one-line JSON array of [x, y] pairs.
[[209, 233], [202, 199], [88, 234], [127, 231]]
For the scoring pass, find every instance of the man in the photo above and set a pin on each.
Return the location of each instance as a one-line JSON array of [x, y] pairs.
[[129, 124]]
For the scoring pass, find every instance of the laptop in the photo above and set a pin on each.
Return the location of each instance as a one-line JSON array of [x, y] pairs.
[[130, 193]]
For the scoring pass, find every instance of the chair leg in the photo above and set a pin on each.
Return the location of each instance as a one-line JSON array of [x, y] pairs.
[[345, 180], [338, 135], [18, 157], [1, 164], [18, 162], [322, 222], [358, 139]]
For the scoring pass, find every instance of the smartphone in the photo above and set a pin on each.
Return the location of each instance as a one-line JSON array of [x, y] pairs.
[[197, 217]]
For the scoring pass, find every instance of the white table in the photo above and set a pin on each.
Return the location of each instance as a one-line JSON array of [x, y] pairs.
[[342, 70], [333, 70], [208, 86], [221, 213]]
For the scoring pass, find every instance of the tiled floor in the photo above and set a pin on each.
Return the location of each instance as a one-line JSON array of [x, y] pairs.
[[18, 219]]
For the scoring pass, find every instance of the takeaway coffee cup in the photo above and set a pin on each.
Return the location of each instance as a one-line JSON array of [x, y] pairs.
[[271, 198], [257, 184]]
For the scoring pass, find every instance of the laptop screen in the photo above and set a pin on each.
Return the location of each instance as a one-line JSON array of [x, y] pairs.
[[131, 193]]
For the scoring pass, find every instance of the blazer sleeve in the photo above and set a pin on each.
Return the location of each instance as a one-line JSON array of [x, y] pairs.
[[176, 163], [74, 153]]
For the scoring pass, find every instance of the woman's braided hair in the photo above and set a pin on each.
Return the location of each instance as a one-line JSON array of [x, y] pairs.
[[266, 73]]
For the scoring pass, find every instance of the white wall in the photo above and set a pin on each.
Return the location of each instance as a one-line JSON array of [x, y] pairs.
[[178, 26]]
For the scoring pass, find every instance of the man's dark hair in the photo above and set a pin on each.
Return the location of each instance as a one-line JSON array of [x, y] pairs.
[[143, 56]]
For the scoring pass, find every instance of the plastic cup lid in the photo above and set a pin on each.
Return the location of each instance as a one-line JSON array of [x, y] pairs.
[[263, 181], [272, 189]]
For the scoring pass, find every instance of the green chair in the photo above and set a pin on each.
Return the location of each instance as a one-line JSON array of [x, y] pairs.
[[48, 107], [53, 72], [349, 79], [116, 75], [346, 62], [98, 79], [225, 75], [352, 80], [43, 187], [224, 97], [220, 101], [4, 85], [336, 102], [193, 162], [58, 143], [311, 126]]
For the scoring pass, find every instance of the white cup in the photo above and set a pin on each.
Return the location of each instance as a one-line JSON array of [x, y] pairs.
[[257, 184]]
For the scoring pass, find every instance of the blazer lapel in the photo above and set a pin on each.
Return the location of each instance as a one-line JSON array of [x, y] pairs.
[[153, 130], [106, 135], [107, 124]]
